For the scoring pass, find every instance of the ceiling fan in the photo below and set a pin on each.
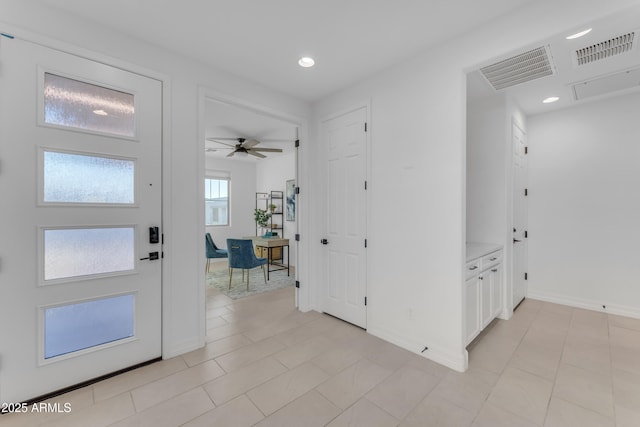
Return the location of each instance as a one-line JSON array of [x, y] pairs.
[[244, 146]]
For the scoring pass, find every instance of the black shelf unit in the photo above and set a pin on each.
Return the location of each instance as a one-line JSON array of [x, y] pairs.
[[276, 220]]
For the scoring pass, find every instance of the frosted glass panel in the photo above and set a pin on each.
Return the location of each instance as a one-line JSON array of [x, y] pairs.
[[77, 104], [77, 252], [76, 178], [88, 324]]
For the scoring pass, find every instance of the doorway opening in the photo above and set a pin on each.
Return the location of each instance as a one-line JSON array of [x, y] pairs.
[[250, 165], [521, 144]]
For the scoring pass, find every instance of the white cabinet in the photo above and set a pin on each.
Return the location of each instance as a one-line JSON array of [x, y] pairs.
[[472, 308], [495, 276], [483, 290], [486, 315]]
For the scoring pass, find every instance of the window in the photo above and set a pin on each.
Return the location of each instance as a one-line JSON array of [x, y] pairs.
[[79, 326], [75, 252], [76, 104], [216, 201], [80, 178]]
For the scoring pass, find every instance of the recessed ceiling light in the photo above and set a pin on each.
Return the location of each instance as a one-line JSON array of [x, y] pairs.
[[100, 112], [580, 34], [550, 99], [306, 62]]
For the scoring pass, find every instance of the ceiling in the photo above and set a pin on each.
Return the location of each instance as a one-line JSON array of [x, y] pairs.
[[263, 40], [611, 76]]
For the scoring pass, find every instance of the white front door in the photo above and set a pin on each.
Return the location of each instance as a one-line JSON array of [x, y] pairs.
[[80, 180], [344, 291], [520, 194]]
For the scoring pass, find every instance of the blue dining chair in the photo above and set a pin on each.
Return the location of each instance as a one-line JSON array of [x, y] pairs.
[[213, 251], [241, 255]]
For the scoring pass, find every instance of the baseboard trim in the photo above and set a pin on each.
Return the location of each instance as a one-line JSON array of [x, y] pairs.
[[433, 353], [619, 310], [184, 347]]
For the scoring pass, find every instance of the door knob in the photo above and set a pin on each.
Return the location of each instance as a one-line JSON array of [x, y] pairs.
[[515, 240], [324, 241]]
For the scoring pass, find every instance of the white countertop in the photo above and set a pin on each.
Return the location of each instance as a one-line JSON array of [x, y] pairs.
[[477, 249]]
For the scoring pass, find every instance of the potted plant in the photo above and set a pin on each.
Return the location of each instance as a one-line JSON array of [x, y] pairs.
[[273, 207], [261, 216]]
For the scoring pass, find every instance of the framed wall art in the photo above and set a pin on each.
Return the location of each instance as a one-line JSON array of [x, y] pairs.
[[290, 196]]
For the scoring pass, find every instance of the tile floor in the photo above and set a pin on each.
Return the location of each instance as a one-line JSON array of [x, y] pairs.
[[267, 364]]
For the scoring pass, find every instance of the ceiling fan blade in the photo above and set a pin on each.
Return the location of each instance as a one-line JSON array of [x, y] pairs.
[[250, 143], [223, 143], [231, 153], [270, 150], [209, 148], [276, 140], [255, 153]]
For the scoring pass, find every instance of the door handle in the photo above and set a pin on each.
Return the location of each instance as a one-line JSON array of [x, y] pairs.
[[324, 241], [152, 256], [516, 240]]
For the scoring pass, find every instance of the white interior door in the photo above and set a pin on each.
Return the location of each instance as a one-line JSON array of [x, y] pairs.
[[520, 173], [81, 187], [344, 138]]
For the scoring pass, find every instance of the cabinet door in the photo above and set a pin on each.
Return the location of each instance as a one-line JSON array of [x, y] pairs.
[[472, 308], [485, 298], [496, 290]]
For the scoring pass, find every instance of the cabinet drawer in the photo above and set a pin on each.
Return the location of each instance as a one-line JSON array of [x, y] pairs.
[[492, 259], [472, 268]]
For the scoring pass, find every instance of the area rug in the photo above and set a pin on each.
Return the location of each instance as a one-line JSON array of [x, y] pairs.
[[220, 280]]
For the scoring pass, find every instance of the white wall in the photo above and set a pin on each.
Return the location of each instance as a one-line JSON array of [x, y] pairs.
[[486, 169], [183, 211], [271, 174], [242, 199], [418, 155], [584, 206]]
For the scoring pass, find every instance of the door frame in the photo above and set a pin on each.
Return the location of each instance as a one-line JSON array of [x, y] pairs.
[[302, 257], [318, 253], [166, 199]]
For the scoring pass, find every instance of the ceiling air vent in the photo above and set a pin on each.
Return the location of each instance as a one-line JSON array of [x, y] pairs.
[[604, 85], [519, 69], [606, 49]]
